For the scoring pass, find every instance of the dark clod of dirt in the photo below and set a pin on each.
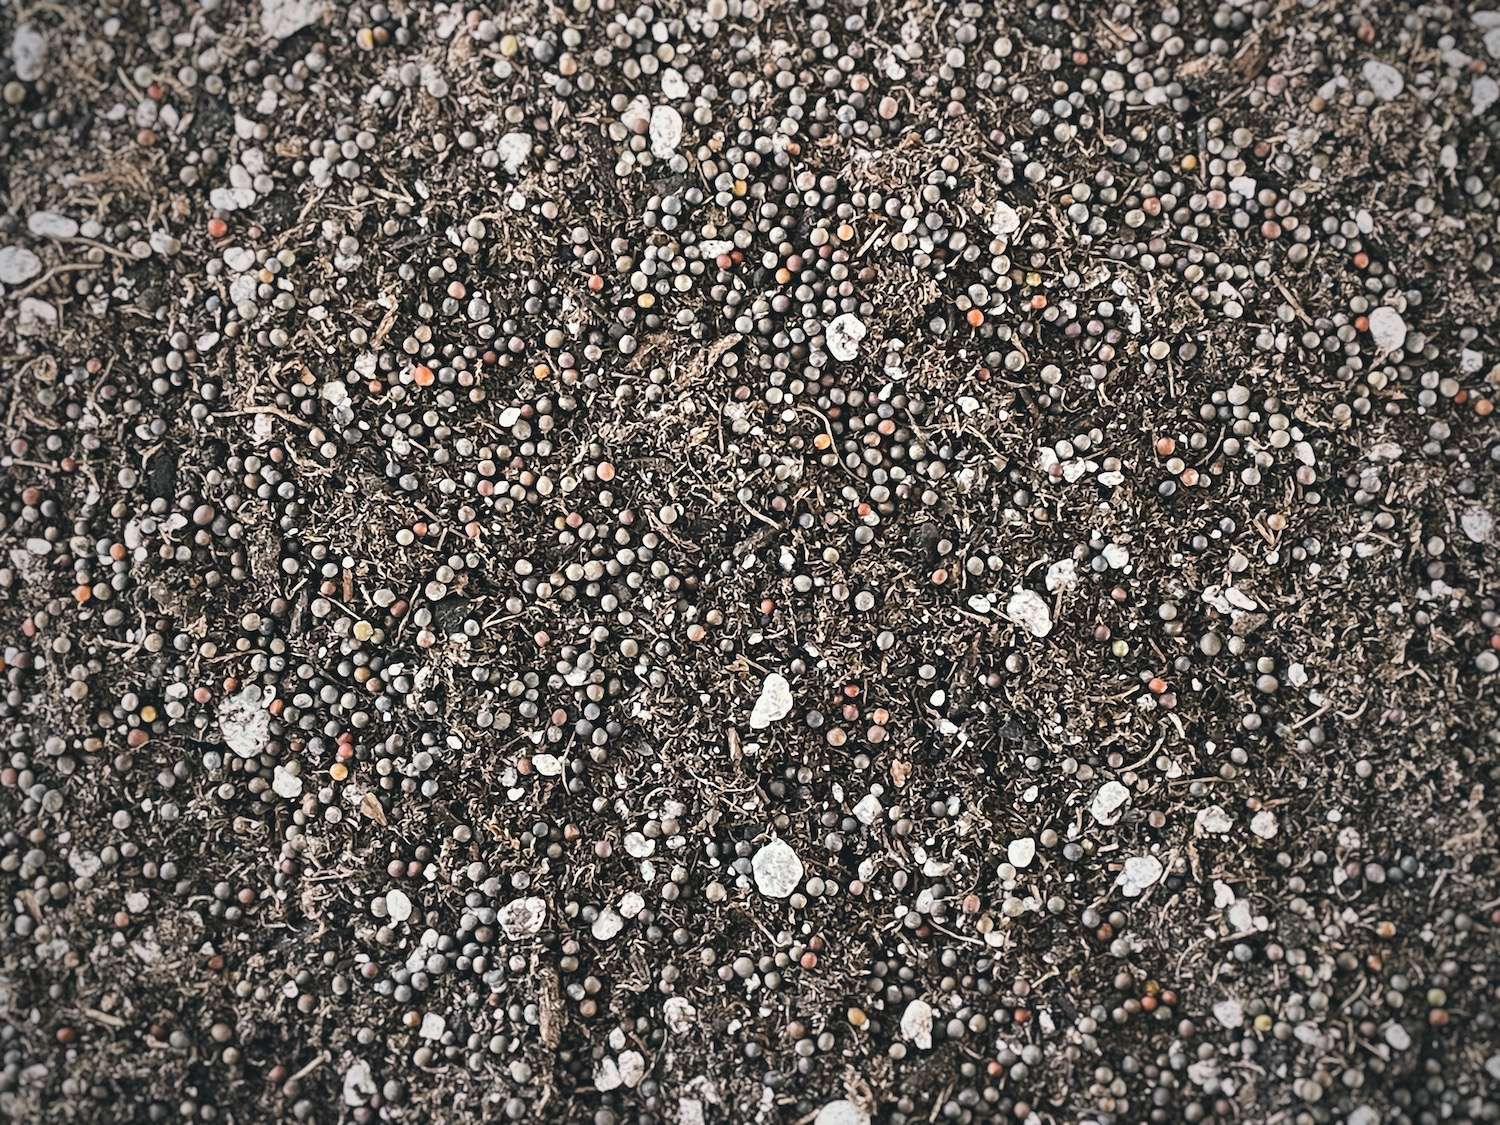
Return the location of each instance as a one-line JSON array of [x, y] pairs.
[[749, 561]]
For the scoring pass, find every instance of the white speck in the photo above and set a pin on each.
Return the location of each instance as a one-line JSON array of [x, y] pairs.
[[281, 19], [1141, 873], [1398, 1037], [1108, 802], [18, 265], [607, 925], [286, 783], [777, 869], [666, 131], [1263, 824], [224, 199], [1478, 525], [916, 1024], [36, 317], [433, 1026], [1021, 852], [548, 765], [1213, 820], [84, 864], [680, 1015], [843, 334], [843, 1112], [244, 722], [1061, 576], [1229, 1013], [980, 603], [1485, 93], [673, 85], [1005, 220], [631, 904], [514, 150], [632, 1068], [359, 1086], [1028, 610], [1384, 79], [1387, 329], [774, 704], [522, 917], [28, 52], [1239, 599], [869, 809], [1240, 917], [607, 1075], [639, 846], [397, 906]]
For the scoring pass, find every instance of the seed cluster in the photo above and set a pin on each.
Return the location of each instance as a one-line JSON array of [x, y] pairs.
[[746, 561]]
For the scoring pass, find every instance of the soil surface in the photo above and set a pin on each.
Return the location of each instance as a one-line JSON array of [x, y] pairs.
[[749, 561]]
